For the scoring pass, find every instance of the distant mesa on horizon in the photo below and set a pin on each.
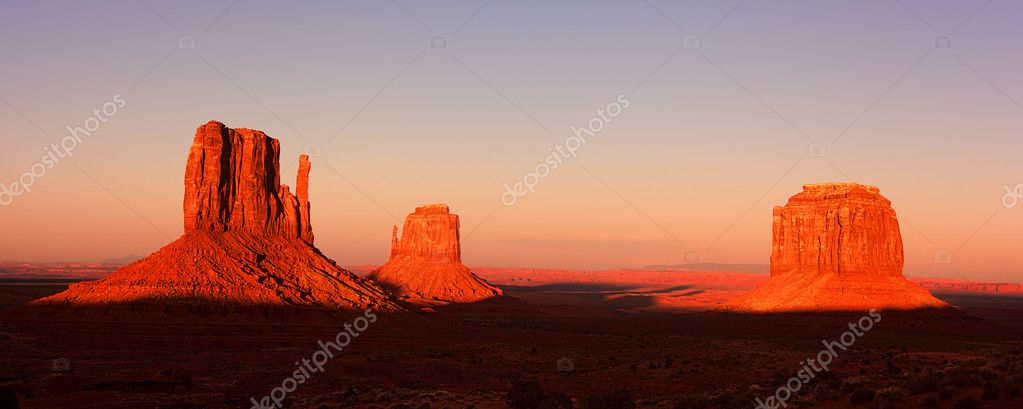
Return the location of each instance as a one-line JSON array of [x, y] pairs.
[[709, 267], [120, 261], [248, 240], [836, 246], [426, 261]]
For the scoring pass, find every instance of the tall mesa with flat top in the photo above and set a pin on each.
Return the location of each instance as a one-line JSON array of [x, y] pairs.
[[836, 246]]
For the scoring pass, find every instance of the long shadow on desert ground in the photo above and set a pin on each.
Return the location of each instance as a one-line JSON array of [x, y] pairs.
[[475, 355]]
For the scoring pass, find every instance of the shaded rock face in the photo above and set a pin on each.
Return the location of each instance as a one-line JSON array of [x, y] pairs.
[[426, 261], [836, 247], [247, 241], [232, 182]]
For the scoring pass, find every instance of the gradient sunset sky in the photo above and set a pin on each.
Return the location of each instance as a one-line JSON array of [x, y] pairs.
[[714, 136]]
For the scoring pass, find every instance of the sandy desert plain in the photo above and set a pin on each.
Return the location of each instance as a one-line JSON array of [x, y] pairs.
[[617, 339]]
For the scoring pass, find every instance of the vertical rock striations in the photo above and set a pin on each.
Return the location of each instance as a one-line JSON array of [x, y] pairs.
[[232, 183], [431, 236], [248, 240], [426, 261], [836, 247], [836, 229]]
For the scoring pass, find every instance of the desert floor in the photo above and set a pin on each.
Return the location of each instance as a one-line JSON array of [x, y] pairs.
[[588, 340]]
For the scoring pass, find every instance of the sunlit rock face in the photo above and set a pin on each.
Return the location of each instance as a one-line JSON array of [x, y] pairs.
[[232, 183], [426, 261], [248, 240], [836, 229], [836, 246]]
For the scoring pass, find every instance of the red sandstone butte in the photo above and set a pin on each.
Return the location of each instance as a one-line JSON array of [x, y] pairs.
[[426, 262], [836, 246], [247, 241]]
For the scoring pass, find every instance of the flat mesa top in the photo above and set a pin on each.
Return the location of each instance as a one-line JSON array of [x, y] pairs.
[[838, 191], [828, 189], [433, 209], [244, 132]]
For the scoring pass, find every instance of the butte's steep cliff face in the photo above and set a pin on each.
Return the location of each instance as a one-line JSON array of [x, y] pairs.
[[836, 228], [233, 183], [247, 241], [426, 261], [836, 247]]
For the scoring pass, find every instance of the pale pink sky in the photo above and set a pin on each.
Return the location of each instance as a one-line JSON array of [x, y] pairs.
[[714, 137]]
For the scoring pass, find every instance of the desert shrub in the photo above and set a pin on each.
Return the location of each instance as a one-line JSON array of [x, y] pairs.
[[862, 397], [924, 383], [719, 400], [891, 394], [891, 368], [989, 374], [889, 398], [854, 383], [386, 395], [967, 403], [780, 378], [827, 380], [8, 399], [732, 401], [409, 383], [441, 395], [524, 395], [725, 399], [947, 393], [1005, 363], [1012, 390], [819, 390], [692, 402], [529, 395], [963, 377], [555, 401], [621, 399], [883, 405], [991, 391]]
